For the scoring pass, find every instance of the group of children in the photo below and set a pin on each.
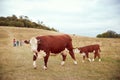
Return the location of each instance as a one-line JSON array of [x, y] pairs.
[[17, 42]]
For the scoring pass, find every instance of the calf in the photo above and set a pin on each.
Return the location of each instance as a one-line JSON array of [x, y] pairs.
[[88, 49]]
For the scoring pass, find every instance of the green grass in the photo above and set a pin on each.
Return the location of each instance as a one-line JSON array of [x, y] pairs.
[[16, 62]]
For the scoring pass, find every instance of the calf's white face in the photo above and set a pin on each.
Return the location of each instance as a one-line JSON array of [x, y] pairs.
[[33, 44], [76, 50]]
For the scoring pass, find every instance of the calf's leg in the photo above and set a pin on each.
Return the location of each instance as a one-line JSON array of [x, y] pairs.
[[83, 59], [99, 57], [87, 55], [95, 55]]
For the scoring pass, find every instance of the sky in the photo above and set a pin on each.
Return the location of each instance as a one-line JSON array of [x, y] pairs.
[[80, 17]]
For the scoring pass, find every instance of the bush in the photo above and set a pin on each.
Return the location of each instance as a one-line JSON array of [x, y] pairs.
[[22, 21], [109, 34]]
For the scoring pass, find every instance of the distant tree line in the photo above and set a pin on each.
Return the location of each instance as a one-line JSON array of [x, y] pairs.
[[22, 21], [109, 34]]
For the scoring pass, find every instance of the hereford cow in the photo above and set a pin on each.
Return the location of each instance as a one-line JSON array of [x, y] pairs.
[[44, 45], [88, 49]]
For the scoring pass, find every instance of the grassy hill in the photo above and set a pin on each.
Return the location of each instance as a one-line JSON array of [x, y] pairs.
[[16, 62]]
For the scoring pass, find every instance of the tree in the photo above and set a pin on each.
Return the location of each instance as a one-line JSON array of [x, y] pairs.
[[109, 34], [14, 18], [22, 21]]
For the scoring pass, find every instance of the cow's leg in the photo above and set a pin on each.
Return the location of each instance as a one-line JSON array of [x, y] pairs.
[[87, 55], [83, 59], [73, 56], [70, 49], [34, 60], [83, 54], [95, 55], [41, 54], [99, 57], [46, 60], [64, 58]]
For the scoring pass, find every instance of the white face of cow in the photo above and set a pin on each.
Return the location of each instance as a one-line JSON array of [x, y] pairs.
[[33, 44], [76, 50]]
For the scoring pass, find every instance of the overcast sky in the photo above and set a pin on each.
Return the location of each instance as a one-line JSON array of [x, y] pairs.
[[81, 17]]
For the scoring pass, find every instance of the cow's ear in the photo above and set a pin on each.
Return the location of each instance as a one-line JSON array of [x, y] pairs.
[[80, 51], [27, 41]]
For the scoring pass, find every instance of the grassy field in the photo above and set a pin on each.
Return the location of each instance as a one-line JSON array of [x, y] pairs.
[[16, 62]]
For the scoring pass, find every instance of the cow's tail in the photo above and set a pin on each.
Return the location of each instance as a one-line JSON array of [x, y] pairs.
[[99, 50], [27, 41]]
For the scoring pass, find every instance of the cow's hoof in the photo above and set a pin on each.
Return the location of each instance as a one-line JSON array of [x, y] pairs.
[[89, 60], [45, 68], [99, 60], [35, 67], [62, 63], [75, 62], [93, 60], [83, 61]]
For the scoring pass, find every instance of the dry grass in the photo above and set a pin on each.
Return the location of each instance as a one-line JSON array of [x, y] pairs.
[[16, 62]]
